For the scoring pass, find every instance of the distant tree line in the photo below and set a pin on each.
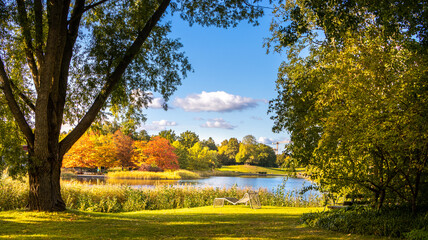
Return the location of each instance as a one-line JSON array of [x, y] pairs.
[[114, 145]]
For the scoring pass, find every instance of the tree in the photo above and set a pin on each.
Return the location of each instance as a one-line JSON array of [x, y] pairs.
[[92, 150], [266, 155], [182, 153], [228, 151], [124, 148], [210, 143], [188, 139], [72, 61], [142, 135], [139, 156], [355, 106], [169, 135], [159, 152], [201, 158], [248, 151]]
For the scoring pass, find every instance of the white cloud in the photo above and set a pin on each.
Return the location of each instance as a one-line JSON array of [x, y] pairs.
[[267, 141], [218, 123], [156, 103], [159, 125], [219, 101], [198, 119]]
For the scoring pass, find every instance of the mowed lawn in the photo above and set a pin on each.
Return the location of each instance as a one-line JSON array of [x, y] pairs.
[[229, 222]]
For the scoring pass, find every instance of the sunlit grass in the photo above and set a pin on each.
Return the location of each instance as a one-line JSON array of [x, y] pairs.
[[169, 175], [253, 169], [229, 222]]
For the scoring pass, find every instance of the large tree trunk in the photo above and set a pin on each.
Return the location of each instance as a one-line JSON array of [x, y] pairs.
[[44, 180]]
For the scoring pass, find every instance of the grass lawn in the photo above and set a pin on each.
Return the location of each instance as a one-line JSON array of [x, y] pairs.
[[252, 169], [229, 222]]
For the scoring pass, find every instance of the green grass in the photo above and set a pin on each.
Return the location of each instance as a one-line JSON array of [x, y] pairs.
[[229, 222], [252, 169], [169, 175]]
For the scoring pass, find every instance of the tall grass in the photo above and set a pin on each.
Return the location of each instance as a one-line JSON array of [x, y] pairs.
[[176, 175], [13, 194], [118, 198]]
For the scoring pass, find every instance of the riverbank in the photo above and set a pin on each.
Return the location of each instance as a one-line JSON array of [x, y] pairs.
[[237, 222], [228, 171]]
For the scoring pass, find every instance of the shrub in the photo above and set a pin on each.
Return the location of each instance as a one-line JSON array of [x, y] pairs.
[[390, 222], [149, 168]]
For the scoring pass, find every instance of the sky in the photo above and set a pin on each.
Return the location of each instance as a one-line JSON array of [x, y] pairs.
[[228, 92]]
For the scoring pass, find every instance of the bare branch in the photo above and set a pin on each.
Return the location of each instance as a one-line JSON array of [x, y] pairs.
[[94, 5], [14, 107], [24, 97], [113, 79]]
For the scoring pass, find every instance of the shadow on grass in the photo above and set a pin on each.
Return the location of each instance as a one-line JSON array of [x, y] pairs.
[[199, 223]]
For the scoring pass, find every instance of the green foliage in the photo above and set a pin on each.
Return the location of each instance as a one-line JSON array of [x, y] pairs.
[[251, 152], [356, 105], [228, 151], [188, 139], [12, 155], [393, 222], [201, 158], [169, 135], [210, 143]]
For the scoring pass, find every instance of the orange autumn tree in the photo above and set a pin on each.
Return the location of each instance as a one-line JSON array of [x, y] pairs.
[[92, 150], [80, 154], [158, 151], [138, 156], [124, 149]]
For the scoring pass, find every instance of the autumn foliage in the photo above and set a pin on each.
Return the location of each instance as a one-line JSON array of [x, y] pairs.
[[159, 152], [118, 150]]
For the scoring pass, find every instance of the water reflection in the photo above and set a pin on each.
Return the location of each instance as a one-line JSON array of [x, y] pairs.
[[269, 183]]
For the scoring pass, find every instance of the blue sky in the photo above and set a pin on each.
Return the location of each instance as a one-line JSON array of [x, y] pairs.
[[227, 94]]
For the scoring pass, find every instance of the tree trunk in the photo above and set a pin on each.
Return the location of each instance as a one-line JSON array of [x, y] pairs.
[[44, 180]]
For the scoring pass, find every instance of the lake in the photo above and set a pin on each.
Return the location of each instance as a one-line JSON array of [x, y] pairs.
[[269, 183]]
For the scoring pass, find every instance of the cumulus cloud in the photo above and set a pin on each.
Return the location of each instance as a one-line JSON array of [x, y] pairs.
[[157, 103], [159, 125], [218, 123], [219, 101]]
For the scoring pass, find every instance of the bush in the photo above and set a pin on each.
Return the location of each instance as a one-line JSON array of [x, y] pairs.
[[390, 222], [149, 168]]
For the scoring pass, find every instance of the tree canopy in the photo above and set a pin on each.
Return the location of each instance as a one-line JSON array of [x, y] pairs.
[[75, 61], [356, 104]]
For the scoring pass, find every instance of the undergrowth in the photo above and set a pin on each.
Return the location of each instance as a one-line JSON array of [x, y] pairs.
[[389, 222]]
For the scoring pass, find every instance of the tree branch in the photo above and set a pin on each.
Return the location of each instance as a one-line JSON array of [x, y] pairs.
[[26, 32], [14, 107], [113, 79], [24, 97], [38, 13]]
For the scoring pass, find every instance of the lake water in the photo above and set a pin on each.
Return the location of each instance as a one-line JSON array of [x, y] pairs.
[[269, 183]]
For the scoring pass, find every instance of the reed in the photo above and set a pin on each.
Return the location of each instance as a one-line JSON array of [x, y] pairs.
[[119, 198], [175, 175], [13, 193]]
